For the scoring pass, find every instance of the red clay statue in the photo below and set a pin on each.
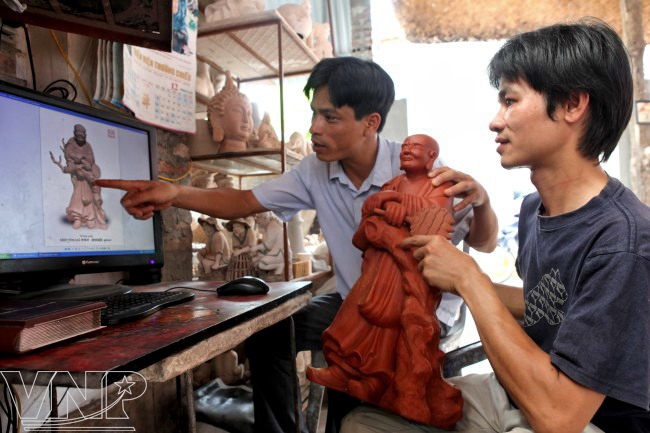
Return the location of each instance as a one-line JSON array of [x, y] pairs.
[[383, 344]]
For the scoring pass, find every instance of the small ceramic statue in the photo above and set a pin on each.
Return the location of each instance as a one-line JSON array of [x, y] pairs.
[[230, 117], [297, 143], [298, 16], [215, 256], [223, 180], [204, 84], [268, 255], [321, 45], [221, 9], [382, 346], [243, 238], [266, 136], [85, 207]]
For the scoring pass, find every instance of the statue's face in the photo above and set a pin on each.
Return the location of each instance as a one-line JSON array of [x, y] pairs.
[[262, 219], [208, 228], [237, 120], [238, 229], [80, 136], [418, 152]]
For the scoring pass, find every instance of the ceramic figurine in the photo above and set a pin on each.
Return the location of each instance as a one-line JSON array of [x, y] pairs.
[[221, 9], [321, 45], [230, 117], [268, 255], [204, 84], [223, 180], [298, 16], [266, 136], [85, 207], [297, 143], [382, 346], [243, 238], [215, 256]]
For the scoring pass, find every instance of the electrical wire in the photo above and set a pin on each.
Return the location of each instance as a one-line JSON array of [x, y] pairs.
[[74, 70], [177, 179], [29, 53], [65, 89]]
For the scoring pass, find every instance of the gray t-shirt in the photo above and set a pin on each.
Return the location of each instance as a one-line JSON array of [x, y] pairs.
[[586, 281]]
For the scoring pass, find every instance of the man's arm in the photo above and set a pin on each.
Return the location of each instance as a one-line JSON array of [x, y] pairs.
[[142, 198], [549, 399], [484, 227], [513, 299]]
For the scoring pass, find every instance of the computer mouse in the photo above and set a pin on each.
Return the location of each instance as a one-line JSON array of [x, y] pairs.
[[243, 286]]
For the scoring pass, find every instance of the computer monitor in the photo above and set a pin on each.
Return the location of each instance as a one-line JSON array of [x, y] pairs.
[[55, 222]]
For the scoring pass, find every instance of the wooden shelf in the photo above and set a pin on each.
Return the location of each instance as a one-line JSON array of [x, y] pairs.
[[251, 48], [254, 47], [138, 22], [250, 163]]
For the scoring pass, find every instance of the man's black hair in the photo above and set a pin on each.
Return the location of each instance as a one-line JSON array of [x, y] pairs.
[[560, 59], [360, 84]]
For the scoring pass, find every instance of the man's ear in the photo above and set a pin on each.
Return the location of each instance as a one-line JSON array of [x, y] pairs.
[[577, 106], [373, 120]]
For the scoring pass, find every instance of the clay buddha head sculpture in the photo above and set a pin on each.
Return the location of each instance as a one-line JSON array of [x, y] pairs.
[[230, 116]]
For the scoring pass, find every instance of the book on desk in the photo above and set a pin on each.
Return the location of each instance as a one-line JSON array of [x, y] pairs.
[[28, 324]]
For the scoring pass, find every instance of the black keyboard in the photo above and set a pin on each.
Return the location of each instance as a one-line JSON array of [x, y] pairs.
[[126, 307]]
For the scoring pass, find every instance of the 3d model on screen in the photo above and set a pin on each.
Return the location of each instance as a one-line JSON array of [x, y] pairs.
[[230, 116], [383, 344], [85, 207]]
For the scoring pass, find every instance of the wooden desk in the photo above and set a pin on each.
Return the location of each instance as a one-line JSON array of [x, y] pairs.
[[170, 342]]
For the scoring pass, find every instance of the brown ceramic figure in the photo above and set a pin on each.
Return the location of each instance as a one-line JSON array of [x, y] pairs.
[[268, 255], [298, 16], [231, 118], [382, 347], [214, 258], [266, 136], [243, 238], [85, 207]]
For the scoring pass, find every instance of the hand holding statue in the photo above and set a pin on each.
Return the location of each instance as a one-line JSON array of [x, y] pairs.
[[464, 186]]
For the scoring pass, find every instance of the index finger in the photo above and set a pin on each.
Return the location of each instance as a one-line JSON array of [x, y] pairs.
[[415, 241], [125, 185], [446, 175]]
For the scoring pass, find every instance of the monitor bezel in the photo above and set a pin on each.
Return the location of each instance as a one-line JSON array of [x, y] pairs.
[[35, 273]]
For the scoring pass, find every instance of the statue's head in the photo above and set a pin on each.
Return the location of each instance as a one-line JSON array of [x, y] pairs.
[[79, 134], [230, 114], [419, 152]]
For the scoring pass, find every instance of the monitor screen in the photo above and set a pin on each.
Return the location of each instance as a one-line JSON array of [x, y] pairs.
[[55, 222]]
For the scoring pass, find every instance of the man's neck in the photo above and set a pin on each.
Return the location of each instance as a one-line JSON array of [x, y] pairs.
[[359, 166], [566, 189]]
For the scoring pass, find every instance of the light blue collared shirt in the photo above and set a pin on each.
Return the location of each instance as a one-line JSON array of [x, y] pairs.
[[324, 187]]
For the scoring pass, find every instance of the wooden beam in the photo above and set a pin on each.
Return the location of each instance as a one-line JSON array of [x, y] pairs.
[[632, 33]]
